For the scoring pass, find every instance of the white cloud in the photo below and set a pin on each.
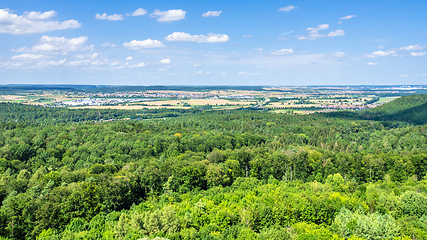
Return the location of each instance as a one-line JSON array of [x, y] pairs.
[[347, 17], [283, 52], [248, 74], [247, 36], [211, 14], [164, 69], [79, 63], [168, 16], [339, 54], [314, 32], [284, 37], [372, 63], [412, 48], [148, 43], [91, 63], [322, 27], [32, 61], [287, 9], [404, 76], [32, 22], [418, 54], [129, 58], [114, 17], [107, 44], [381, 54], [59, 45], [338, 32], [27, 56], [165, 61], [51, 63], [44, 48], [40, 16], [139, 65], [210, 38], [138, 12]]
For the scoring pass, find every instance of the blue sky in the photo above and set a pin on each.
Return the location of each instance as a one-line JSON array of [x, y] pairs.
[[282, 43]]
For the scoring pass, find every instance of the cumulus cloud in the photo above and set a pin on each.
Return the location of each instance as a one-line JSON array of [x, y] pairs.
[[40, 16], [32, 61], [148, 43], [248, 74], [339, 54], [164, 69], [412, 48], [27, 56], [58, 45], [211, 14], [138, 12], [114, 17], [347, 17], [381, 54], [319, 27], [139, 65], [209, 38], [283, 52], [338, 32], [32, 22], [52, 63], [314, 32], [129, 58], [107, 44], [168, 16], [165, 61], [418, 54], [372, 63], [287, 9]]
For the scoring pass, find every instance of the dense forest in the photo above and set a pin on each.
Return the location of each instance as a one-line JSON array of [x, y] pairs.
[[193, 174]]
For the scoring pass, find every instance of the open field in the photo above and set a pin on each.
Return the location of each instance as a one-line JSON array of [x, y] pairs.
[[386, 99], [218, 102], [32, 99]]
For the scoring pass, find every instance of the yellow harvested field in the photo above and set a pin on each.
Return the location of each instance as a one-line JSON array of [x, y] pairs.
[[217, 102], [32, 99], [12, 97]]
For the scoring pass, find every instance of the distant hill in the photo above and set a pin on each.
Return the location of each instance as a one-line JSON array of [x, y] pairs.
[[411, 109], [12, 88]]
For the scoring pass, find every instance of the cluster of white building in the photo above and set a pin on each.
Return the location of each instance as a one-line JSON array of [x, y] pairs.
[[99, 101]]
